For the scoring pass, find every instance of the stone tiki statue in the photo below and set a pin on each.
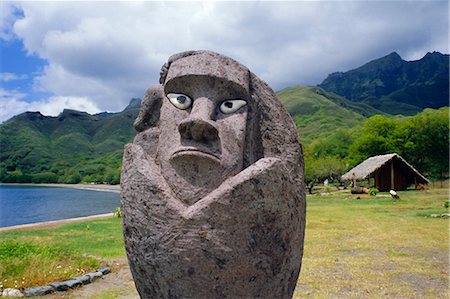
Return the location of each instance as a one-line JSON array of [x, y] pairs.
[[213, 197]]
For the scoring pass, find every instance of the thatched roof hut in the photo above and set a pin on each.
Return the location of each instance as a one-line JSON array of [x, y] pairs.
[[390, 172]]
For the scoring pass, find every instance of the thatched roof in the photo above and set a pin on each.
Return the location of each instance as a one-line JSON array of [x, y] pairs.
[[372, 164]]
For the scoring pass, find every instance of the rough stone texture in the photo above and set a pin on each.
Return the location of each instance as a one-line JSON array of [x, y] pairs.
[[85, 279], [59, 286], [65, 285], [95, 275], [12, 293], [104, 270], [38, 291], [213, 203]]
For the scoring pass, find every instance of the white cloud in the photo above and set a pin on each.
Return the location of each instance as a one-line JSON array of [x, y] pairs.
[[7, 17], [54, 105], [109, 53], [6, 77], [13, 103]]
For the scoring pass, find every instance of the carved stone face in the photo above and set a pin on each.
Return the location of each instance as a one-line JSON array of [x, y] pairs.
[[213, 197], [202, 133]]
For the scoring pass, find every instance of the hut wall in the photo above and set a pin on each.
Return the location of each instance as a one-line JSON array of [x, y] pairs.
[[383, 177], [400, 176]]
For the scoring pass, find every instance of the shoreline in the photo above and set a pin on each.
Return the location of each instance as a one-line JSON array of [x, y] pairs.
[[93, 187], [52, 223]]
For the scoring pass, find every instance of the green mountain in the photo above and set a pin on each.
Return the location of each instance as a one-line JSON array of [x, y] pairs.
[[318, 113], [72, 147], [395, 86]]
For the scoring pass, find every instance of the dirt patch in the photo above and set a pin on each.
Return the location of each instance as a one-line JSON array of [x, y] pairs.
[[117, 284], [422, 284]]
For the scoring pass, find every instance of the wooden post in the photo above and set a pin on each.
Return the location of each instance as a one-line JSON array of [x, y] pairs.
[[392, 175]]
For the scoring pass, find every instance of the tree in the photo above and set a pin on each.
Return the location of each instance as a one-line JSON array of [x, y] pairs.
[[427, 142], [44, 177], [423, 140], [317, 170], [376, 139]]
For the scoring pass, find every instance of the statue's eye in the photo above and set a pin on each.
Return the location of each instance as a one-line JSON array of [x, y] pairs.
[[180, 101], [230, 106]]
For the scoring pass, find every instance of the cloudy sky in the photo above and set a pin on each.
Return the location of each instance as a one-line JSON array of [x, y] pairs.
[[96, 56]]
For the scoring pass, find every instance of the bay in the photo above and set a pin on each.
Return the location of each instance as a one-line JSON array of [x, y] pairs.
[[32, 204]]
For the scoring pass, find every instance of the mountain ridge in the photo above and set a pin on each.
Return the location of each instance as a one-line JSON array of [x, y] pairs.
[[394, 85]]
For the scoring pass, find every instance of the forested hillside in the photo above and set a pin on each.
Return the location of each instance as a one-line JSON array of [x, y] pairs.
[[70, 148], [318, 113]]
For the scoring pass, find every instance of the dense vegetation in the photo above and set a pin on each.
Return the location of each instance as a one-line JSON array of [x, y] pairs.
[[421, 139], [396, 86], [71, 148]]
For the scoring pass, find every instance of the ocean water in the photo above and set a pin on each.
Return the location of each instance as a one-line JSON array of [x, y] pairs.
[[31, 204]]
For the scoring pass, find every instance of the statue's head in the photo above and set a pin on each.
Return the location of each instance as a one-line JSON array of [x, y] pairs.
[[207, 112]]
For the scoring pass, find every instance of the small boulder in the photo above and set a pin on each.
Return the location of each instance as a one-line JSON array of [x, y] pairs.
[[359, 190], [95, 275], [65, 285], [104, 270], [59, 286], [73, 283], [38, 291], [85, 279], [12, 292]]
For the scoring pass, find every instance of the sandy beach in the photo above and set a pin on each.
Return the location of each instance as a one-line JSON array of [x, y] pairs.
[[97, 187]]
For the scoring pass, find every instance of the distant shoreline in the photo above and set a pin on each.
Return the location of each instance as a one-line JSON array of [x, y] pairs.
[[47, 224], [94, 187]]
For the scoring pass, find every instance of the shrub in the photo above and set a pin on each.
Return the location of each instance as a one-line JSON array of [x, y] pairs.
[[373, 191]]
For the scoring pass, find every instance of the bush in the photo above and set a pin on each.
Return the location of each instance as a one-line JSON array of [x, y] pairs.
[[73, 179], [112, 178], [45, 177], [373, 191]]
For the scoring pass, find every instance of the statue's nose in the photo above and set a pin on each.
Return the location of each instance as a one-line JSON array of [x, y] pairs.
[[200, 125]]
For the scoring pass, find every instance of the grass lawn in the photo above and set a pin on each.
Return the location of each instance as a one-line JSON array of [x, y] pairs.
[[354, 248], [36, 257], [376, 247]]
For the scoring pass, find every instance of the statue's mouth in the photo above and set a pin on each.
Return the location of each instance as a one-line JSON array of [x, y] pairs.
[[195, 152]]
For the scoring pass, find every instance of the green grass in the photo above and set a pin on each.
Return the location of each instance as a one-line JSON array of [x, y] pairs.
[[375, 247], [354, 248], [24, 264], [38, 257]]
